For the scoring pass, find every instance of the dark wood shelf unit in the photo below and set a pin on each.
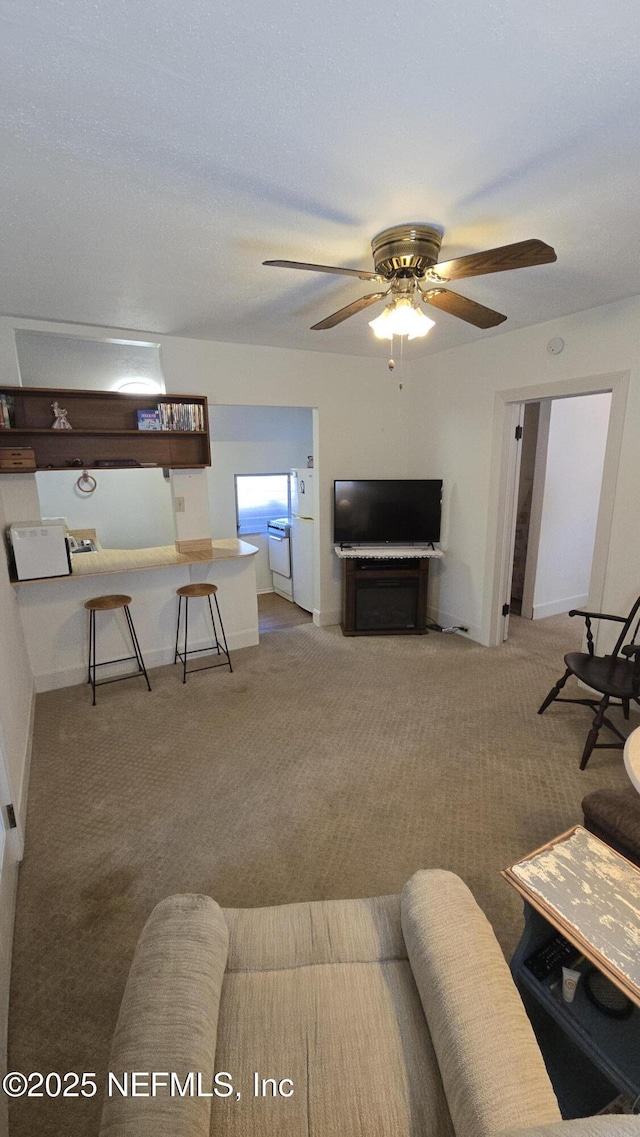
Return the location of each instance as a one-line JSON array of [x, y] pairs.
[[104, 426], [384, 597], [172, 433]]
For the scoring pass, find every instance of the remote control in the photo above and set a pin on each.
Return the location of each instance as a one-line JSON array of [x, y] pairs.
[[551, 957]]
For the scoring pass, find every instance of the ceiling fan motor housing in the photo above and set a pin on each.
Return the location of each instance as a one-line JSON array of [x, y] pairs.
[[406, 249]]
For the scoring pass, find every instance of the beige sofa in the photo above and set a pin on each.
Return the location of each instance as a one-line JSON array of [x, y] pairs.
[[394, 1016]]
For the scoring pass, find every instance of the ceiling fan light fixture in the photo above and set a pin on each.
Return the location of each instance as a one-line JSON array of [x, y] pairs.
[[401, 318]]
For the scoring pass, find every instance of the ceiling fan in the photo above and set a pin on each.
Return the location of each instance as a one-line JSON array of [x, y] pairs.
[[406, 258]]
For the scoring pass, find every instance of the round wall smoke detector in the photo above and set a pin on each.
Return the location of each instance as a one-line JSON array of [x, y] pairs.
[[555, 346]]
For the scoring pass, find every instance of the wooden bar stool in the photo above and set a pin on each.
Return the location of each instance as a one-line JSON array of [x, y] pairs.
[[191, 592], [108, 604]]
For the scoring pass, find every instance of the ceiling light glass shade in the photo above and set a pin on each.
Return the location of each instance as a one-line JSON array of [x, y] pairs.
[[139, 387], [401, 318]]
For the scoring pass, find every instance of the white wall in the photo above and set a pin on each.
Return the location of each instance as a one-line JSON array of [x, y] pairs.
[[129, 509], [362, 415], [456, 433], [54, 360], [361, 419], [253, 440], [16, 688], [573, 477], [446, 422], [16, 711]]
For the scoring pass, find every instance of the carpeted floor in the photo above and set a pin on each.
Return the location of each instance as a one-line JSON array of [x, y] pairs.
[[323, 766]]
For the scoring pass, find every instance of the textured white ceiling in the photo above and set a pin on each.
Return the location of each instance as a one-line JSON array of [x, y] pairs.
[[154, 154]]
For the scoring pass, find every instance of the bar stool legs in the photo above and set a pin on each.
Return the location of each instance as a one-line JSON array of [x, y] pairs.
[[192, 591], [108, 604]]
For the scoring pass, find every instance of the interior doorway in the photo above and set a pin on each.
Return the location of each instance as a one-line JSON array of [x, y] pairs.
[[559, 482], [253, 450], [509, 406]]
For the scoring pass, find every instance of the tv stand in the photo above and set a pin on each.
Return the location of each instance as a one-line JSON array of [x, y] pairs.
[[387, 552], [385, 589]]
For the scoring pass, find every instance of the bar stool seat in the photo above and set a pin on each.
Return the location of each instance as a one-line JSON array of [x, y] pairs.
[[107, 603], [111, 603], [194, 592]]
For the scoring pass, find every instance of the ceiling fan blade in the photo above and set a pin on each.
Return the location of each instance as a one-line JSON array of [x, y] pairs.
[[465, 309], [362, 274], [350, 310], [523, 254]]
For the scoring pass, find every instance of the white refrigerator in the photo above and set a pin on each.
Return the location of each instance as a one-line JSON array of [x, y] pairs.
[[303, 511]]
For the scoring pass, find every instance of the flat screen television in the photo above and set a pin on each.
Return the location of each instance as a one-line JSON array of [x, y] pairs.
[[379, 512]]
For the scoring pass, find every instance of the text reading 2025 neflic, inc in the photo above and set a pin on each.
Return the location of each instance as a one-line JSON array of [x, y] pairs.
[[142, 1084]]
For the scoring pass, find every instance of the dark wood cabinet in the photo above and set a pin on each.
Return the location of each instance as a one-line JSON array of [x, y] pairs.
[[385, 597], [104, 431]]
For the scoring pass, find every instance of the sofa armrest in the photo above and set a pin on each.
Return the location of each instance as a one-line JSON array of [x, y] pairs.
[[611, 1125], [168, 1019], [491, 1068]]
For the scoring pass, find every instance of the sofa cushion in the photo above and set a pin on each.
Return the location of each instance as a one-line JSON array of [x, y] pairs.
[[491, 1066], [323, 995], [324, 931]]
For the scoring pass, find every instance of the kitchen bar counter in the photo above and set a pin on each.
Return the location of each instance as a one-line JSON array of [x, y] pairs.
[[55, 621], [133, 560]]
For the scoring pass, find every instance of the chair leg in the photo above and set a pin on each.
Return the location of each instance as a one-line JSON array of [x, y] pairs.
[[625, 708], [175, 654], [592, 736], [554, 692], [136, 646], [224, 638], [186, 624], [90, 645], [92, 653], [216, 641]]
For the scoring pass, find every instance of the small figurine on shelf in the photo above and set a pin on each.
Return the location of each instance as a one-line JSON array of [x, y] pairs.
[[60, 421]]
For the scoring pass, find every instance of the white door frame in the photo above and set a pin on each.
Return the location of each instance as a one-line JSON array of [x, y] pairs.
[[513, 453], [535, 517], [502, 521]]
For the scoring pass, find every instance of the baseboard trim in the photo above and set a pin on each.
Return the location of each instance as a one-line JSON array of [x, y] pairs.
[[74, 676], [325, 617], [558, 607]]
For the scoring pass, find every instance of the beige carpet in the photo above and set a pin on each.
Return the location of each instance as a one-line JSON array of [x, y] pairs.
[[323, 767]]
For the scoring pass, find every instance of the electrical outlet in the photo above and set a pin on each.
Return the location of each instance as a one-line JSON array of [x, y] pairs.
[[179, 503]]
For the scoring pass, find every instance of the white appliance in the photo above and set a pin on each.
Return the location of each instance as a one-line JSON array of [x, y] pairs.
[[303, 511], [301, 488], [278, 538], [40, 549]]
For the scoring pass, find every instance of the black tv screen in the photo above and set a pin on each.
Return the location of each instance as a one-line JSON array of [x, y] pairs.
[[376, 512]]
